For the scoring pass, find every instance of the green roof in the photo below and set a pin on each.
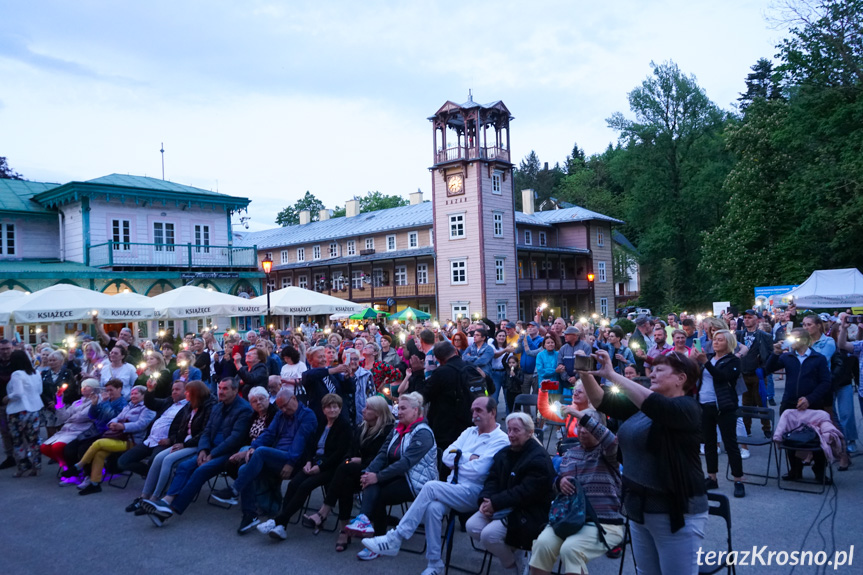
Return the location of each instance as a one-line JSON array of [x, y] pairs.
[[44, 266], [16, 196], [143, 182]]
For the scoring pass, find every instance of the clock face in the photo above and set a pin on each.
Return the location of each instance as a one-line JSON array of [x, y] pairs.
[[455, 185]]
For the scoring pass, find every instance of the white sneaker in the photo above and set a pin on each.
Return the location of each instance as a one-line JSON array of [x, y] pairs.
[[433, 571], [84, 483], [266, 526], [744, 453], [367, 555], [388, 544], [278, 532], [701, 449], [360, 526]]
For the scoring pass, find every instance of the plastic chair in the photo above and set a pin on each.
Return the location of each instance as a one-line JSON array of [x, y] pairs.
[[759, 413], [718, 506]]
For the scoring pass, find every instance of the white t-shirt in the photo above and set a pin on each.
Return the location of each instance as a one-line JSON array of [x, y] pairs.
[[707, 394], [125, 373], [293, 371]]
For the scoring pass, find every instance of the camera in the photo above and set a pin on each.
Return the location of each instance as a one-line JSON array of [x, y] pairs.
[[584, 363]]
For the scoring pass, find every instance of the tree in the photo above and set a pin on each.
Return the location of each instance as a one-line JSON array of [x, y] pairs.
[[762, 83], [672, 172], [290, 215], [6, 172], [576, 160], [594, 185], [531, 174], [374, 201]]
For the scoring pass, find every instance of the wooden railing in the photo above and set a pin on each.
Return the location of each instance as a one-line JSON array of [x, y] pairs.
[[189, 256], [462, 153]]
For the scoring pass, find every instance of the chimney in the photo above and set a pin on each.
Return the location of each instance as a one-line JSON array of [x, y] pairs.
[[527, 201], [352, 208], [305, 217], [323, 215], [546, 167], [417, 197]]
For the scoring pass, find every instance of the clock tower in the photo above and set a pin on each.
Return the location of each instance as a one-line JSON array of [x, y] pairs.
[[474, 211]]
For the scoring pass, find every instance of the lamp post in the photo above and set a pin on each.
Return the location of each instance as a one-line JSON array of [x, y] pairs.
[[267, 264]]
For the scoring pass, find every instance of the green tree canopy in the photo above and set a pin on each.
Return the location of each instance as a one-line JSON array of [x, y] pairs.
[[7, 173], [374, 201], [290, 215]]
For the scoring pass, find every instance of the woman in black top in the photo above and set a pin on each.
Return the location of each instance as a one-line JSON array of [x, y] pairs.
[[377, 424], [322, 457], [717, 395], [664, 494]]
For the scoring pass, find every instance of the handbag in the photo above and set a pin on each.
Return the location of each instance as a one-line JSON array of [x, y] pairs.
[[801, 437], [118, 435], [568, 513]]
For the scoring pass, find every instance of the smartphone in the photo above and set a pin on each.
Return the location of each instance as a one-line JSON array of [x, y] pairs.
[[584, 363], [698, 345]]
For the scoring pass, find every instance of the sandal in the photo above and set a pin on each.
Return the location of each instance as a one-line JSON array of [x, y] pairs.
[[310, 522], [343, 541]]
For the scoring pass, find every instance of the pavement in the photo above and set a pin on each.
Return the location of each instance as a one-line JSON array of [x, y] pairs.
[[50, 530]]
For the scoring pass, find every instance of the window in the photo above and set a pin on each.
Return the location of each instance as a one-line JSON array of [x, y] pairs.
[[391, 243], [456, 226], [499, 275], [321, 283], [401, 275], [497, 218], [339, 281], [600, 272], [301, 254], [352, 248], [424, 307], [370, 243], [120, 232], [163, 236], [603, 306], [458, 272], [284, 256], [356, 279], [377, 277], [271, 284], [422, 273], [413, 240], [528, 238], [303, 282], [459, 310], [431, 237], [268, 255], [600, 238], [520, 269], [495, 183], [533, 273], [8, 239], [316, 252], [501, 311], [564, 308], [562, 271], [202, 238], [287, 282], [542, 241], [334, 250]]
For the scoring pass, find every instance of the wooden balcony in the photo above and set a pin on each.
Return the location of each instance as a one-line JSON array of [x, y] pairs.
[[369, 292], [462, 153], [181, 256], [552, 284]]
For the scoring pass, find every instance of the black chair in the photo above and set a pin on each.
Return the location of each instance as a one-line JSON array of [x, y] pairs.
[[763, 414], [627, 540], [718, 506], [523, 400], [789, 452], [213, 484]]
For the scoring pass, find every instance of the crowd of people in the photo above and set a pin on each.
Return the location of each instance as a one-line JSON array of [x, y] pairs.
[[389, 415]]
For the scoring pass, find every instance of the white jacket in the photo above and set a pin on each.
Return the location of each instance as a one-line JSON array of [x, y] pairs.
[[24, 392]]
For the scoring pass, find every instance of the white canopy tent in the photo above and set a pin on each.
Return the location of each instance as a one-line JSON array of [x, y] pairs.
[[299, 301], [64, 303], [829, 289], [194, 302]]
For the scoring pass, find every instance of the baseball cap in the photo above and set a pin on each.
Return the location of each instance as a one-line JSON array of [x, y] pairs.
[[534, 323], [751, 312], [510, 325], [825, 317], [571, 330]]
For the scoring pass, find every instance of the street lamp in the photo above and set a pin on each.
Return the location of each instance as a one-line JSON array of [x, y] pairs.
[[267, 264]]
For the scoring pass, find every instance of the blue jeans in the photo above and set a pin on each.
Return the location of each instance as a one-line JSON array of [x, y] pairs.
[[497, 377], [657, 550], [189, 479], [768, 383], [263, 457], [843, 403]]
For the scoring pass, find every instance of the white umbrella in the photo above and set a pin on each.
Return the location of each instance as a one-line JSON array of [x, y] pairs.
[[298, 301], [193, 301], [8, 301], [68, 303]]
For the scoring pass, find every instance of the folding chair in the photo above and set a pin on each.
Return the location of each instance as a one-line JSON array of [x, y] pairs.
[[114, 477], [213, 483], [627, 540], [718, 506], [759, 413], [828, 468]]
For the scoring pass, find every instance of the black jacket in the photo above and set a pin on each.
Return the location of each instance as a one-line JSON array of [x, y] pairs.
[[448, 415], [760, 349], [50, 385], [521, 481], [259, 375], [180, 426], [335, 446], [725, 374], [811, 379], [368, 450]]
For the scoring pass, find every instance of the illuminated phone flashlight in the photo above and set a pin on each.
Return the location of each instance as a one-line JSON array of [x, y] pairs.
[[387, 391], [543, 305], [790, 339], [215, 327], [582, 320], [635, 345], [436, 325], [615, 389], [595, 315], [299, 329], [142, 365], [185, 345], [162, 333], [402, 337], [271, 326], [556, 407], [182, 364], [99, 366], [699, 317], [64, 386], [603, 323], [149, 352], [233, 331], [95, 312], [327, 330]]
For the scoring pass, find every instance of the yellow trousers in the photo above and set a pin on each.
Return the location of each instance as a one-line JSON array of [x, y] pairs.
[[98, 452]]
